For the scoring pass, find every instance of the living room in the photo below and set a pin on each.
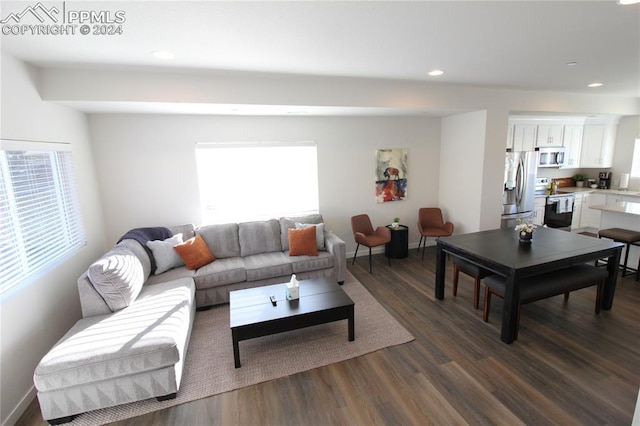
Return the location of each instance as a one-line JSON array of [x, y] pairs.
[[137, 167]]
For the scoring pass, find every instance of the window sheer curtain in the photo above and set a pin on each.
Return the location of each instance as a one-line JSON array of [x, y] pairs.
[[256, 181], [40, 219]]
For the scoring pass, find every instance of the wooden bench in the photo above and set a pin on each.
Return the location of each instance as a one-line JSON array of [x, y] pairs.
[[554, 283]]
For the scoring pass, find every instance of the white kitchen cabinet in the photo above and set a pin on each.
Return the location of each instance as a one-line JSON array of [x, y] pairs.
[[597, 145], [548, 135], [524, 137], [614, 198], [538, 211], [576, 222], [510, 136], [590, 218], [572, 142]]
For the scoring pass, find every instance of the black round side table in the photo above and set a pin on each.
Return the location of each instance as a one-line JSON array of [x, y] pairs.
[[398, 247]]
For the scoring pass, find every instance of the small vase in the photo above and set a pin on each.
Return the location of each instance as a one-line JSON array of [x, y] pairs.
[[526, 237]]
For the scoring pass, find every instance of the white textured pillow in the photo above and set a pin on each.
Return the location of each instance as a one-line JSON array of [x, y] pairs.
[[319, 232], [166, 257], [118, 277]]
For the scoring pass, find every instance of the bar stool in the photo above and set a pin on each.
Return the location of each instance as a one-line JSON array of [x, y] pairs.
[[626, 236], [476, 272]]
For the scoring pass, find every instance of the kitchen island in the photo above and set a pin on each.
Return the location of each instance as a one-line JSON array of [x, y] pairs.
[[623, 214], [585, 217]]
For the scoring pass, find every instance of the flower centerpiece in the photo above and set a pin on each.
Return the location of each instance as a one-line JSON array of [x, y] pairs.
[[525, 231]]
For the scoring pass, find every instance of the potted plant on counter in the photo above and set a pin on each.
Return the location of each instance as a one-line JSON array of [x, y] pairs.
[[579, 178]]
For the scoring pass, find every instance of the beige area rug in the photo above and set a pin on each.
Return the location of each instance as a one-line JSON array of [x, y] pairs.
[[209, 368]]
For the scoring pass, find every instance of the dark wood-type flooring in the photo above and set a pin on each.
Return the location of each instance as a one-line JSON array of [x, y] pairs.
[[568, 366]]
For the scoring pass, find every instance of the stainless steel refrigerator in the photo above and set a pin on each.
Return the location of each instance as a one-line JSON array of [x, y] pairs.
[[519, 187]]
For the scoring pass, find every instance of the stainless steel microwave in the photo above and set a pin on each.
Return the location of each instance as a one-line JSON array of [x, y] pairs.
[[551, 157]]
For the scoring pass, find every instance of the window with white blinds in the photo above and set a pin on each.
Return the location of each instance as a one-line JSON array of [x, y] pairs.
[[635, 164], [40, 219], [244, 181]]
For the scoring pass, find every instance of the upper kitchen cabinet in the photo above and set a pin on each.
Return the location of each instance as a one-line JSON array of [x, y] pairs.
[[598, 141], [524, 137], [572, 142], [510, 136], [549, 135]]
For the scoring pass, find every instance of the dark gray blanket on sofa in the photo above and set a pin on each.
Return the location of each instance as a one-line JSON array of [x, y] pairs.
[[143, 235]]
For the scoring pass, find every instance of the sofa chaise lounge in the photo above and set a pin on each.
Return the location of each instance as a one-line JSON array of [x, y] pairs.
[[132, 341]]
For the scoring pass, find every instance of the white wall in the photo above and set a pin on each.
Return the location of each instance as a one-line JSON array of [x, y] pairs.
[[461, 169], [35, 317], [493, 168], [147, 170], [131, 89], [627, 132]]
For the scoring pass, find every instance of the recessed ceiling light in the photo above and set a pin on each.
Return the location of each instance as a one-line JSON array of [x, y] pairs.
[[436, 73], [595, 85], [624, 2], [572, 64], [162, 54]]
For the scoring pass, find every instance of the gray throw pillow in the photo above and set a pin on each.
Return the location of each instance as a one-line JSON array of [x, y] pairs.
[[287, 223], [166, 257], [319, 232], [118, 277]]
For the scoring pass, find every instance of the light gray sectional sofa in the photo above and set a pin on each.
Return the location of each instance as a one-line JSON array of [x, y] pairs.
[[131, 343], [251, 254]]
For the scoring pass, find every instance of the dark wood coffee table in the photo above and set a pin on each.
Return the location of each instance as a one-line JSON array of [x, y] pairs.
[[252, 314]]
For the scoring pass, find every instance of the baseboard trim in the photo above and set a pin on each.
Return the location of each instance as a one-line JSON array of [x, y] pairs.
[[20, 409], [364, 251]]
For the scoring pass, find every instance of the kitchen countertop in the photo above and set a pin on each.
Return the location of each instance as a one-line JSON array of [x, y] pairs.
[[575, 189], [621, 207]]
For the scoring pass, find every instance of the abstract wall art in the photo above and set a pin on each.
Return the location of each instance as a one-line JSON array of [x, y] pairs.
[[391, 174]]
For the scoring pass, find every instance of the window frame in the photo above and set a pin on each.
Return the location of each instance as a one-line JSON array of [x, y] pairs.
[[37, 193], [635, 160], [212, 214]]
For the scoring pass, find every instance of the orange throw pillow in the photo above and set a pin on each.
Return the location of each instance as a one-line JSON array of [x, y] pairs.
[[303, 242], [194, 252]]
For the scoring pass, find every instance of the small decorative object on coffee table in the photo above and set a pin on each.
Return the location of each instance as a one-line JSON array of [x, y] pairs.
[[525, 231], [293, 288]]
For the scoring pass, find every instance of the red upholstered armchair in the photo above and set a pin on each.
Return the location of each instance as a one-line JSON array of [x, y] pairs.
[[431, 224], [364, 234]]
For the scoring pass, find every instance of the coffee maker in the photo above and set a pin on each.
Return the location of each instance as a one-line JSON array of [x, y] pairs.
[[604, 180]]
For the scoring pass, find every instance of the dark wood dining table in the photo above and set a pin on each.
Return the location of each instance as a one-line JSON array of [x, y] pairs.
[[500, 251]]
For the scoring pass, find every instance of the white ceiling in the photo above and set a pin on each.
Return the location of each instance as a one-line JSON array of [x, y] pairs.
[[510, 44]]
